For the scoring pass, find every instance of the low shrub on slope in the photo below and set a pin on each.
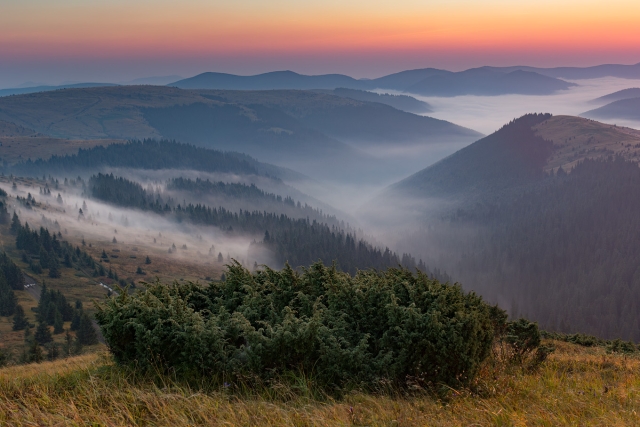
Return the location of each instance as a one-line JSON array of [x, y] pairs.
[[373, 328]]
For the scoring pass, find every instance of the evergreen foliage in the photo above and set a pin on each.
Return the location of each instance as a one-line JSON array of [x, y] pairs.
[[147, 154], [328, 325], [565, 251], [20, 321], [42, 335], [296, 241], [86, 334], [49, 249], [8, 299]]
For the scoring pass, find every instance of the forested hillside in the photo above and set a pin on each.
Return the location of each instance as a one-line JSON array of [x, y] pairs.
[[512, 156], [565, 252], [556, 244], [151, 154], [296, 241]]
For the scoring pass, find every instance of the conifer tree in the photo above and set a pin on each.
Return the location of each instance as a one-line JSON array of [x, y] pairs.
[[7, 298], [27, 334], [43, 334], [86, 333], [19, 319], [35, 353], [53, 351], [15, 223], [77, 318], [58, 324], [54, 268]]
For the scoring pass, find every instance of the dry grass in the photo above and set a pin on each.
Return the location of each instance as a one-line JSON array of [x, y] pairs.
[[576, 387], [576, 139]]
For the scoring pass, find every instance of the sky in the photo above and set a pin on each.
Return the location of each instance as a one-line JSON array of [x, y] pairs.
[[116, 40]]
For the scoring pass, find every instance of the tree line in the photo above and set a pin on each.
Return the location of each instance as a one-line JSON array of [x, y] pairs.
[[564, 252], [146, 154], [297, 241]]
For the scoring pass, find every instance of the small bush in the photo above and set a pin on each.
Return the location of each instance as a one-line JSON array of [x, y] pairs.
[[365, 330]]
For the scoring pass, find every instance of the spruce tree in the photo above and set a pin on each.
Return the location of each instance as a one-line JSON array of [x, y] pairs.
[[53, 351], [86, 333], [35, 353], [27, 334], [54, 268], [43, 334], [19, 319], [7, 298], [58, 324], [15, 223], [76, 319]]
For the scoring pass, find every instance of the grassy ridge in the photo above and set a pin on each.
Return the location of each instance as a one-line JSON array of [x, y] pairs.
[[576, 386]]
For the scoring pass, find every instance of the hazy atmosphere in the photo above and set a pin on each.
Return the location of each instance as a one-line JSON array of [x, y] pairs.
[[326, 213]]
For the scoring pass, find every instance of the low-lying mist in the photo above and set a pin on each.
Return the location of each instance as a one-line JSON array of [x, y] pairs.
[[80, 218], [487, 114]]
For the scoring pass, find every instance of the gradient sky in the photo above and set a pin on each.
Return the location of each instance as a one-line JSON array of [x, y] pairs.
[[116, 40]]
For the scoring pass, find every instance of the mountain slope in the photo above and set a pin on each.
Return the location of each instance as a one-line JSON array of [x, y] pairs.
[[305, 129], [35, 89], [578, 73], [484, 81], [624, 109], [509, 157], [557, 245], [399, 102], [617, 96]]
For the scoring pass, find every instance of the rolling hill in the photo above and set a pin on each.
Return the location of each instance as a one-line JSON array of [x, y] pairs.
[[628, 109], [267, 81], [429, 81], [521, 153], [485, 81], [399, 102], [633, 92], [578, 73], [309, 130], [35, 89], [540, 216]]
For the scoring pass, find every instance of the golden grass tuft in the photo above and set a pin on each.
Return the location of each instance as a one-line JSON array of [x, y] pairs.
[[576, 387]]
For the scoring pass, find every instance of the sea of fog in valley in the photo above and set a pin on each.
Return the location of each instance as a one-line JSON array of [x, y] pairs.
[[487, 114]]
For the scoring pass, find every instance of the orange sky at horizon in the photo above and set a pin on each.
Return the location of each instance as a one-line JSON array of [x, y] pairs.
[[585, 31]]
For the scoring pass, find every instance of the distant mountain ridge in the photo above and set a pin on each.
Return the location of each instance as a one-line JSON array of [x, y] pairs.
[[267, 81], [633, 92], [35, 89], [283, 127], [579, 73], [429, 82], [400, 102], [628, 109]]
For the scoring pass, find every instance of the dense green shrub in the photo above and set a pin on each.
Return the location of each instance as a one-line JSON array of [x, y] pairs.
[[339, 330]]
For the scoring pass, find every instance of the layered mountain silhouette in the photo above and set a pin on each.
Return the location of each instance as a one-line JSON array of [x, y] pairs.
[[541, 216], [323, 134], [520, 154], [272, 80], [35, 89], [578, 73], [628, 109], [485, 81], [633, 92], [430, 82], [400, 102]]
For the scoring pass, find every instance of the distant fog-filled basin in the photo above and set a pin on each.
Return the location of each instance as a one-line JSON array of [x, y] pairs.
[[487, 114]]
